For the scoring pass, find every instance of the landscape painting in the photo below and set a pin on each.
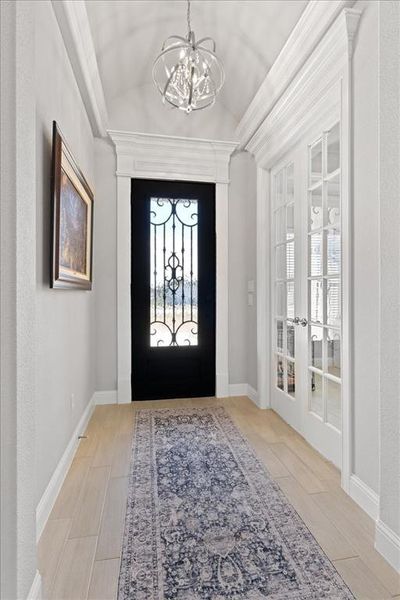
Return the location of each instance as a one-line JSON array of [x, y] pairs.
[[72, 221], [73, 228]]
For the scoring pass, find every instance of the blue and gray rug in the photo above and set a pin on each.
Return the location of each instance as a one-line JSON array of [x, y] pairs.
[[205, 521]]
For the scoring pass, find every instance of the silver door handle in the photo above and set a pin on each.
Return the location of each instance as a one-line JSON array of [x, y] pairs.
[[303, 322]]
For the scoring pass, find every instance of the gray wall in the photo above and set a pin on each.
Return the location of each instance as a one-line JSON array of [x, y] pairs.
[[242, 267], [105, 265], [65, 359], [366, 248], [17, 300]]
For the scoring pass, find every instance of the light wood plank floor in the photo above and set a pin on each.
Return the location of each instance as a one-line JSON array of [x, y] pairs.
[[80, 548]]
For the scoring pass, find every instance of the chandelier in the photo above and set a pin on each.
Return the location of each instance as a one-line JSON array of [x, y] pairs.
[[187, 73]]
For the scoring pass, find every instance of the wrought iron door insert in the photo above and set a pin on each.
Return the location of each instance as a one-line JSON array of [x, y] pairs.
[[174, 272]]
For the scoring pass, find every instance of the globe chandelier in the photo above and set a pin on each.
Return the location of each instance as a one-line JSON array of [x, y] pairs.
[[188, 74]]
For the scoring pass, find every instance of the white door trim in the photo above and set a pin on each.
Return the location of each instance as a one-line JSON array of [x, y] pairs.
[[149, 156], [263, 288], [322, 82]]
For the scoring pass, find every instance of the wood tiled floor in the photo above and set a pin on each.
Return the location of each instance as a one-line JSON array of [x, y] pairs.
[[79, 551]]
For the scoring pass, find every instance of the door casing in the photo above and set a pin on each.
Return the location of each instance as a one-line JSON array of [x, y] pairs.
[[149, 156]]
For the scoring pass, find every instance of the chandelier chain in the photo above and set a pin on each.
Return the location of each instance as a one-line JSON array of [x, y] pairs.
[[188, 17]]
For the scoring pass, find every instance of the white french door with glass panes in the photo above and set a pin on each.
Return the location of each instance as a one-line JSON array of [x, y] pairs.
[[286, 286], [306, 250]]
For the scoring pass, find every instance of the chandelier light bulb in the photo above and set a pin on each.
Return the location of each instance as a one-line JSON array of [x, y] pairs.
[[188, 74]]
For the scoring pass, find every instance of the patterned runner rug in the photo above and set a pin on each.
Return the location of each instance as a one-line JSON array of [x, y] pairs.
[[205, 520]]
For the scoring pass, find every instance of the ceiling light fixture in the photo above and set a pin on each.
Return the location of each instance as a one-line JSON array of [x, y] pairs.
[[187, 73]]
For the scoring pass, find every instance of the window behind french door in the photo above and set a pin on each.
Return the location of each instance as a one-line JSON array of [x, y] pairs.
[[307, 300]]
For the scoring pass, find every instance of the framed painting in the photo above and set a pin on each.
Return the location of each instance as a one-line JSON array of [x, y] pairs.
[[72, 220]]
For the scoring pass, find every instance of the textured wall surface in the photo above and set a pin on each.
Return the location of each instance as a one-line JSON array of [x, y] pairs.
[[389, 195], [366, 247], [65, 355], [17, 258]]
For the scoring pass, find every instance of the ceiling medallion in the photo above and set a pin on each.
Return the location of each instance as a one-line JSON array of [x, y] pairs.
[[188, 74]]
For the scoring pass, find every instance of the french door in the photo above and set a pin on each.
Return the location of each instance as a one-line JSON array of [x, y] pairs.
[[173, 289], [307, 299]]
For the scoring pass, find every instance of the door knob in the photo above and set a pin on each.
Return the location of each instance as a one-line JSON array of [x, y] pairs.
[[303, 322]]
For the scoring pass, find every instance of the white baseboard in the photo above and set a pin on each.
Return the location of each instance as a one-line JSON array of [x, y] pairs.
[[49, 497], [35, 593], [243, 389], [253, 395], [105, 397], [238, 389], [365, 497], [387, 543]]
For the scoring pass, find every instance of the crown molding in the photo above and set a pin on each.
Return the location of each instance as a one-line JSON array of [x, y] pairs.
[[316, 89], [140, 155], [309, 30], [75, 29]]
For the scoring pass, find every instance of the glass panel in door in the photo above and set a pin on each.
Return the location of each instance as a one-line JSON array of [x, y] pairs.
[[323, 422], [284, 249]]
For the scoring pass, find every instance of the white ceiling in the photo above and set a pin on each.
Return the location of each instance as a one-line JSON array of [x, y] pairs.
[[128, 35]]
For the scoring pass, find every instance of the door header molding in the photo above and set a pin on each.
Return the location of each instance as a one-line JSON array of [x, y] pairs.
[[143, 155], [147, 156]]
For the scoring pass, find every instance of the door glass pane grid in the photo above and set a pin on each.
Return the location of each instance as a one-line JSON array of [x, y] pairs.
[[284, 250], [324, 279], [173, 272]]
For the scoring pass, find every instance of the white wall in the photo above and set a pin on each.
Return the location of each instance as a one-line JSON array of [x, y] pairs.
[[366, 248], [65, 359]]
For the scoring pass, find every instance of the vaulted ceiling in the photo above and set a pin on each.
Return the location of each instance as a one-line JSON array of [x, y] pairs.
[[128, 35]]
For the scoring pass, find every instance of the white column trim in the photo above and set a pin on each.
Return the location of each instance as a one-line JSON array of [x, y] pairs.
[[387, 536], [222, 306], [263, 294], [151, 156]]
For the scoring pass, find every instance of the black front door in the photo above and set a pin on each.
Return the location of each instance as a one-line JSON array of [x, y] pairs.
[[173, 289]]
